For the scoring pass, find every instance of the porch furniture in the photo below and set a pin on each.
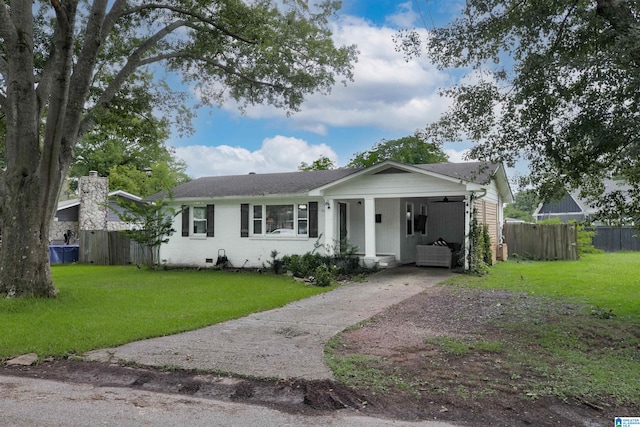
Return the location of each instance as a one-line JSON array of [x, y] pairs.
[[433, 256], [438, 254]]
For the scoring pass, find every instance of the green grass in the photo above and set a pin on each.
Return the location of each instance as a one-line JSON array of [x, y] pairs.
[[99, 307], [605, 281]]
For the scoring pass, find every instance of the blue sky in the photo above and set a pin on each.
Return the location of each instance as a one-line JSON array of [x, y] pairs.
[[389, 98]]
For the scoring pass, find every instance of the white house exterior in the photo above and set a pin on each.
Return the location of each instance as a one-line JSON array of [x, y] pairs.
[[385, 211]]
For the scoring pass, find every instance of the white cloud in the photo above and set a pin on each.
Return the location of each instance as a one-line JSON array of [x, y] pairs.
[[387, 92], [277, 154], [405, 17], [457, 156]]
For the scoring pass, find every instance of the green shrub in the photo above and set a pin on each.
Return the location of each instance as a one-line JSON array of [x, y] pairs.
[[323, 275], [585, 241], [303, 265], [487, 253]]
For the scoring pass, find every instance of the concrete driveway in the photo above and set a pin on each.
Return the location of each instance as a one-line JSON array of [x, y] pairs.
[[286, 342]]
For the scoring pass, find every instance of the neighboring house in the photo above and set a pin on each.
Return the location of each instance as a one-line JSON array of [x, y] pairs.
[[572, 207], [385, 211], [92, 210]]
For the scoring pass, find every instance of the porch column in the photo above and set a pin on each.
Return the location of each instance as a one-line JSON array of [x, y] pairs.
[[468, 212], [329, 225], [369, 228]]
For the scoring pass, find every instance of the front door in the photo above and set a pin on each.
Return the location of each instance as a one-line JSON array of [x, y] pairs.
[[342, 213]]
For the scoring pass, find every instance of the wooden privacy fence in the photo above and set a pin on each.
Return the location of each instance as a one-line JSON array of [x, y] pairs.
[[109, 248], [545, 242], [613, 239]]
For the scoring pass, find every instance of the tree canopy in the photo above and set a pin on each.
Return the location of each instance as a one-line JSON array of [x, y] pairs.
[[554, 83], [65, 64], [409, 149], [524, 204], [319, 164]]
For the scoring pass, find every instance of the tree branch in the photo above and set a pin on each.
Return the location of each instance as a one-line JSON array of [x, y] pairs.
[[115, 13], [563, 24], [133, 62], [216, 64], [191, 14]]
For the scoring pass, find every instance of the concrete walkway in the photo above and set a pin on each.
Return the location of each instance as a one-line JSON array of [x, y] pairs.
[[287, 342]]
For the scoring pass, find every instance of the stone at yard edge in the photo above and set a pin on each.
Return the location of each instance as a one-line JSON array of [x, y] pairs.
[[24, 360]]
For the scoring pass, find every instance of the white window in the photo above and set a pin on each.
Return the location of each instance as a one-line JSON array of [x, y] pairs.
[[257, 219], [199, 220], [290, 220], [303, 219]]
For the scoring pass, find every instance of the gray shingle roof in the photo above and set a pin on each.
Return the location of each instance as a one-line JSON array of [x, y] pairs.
[[476, 172], [302, 182], [258, 184]]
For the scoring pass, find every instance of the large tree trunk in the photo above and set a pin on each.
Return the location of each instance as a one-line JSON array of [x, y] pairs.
[[24, 256]]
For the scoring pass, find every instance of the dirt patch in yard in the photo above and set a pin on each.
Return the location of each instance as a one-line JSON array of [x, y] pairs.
[[459, 355]]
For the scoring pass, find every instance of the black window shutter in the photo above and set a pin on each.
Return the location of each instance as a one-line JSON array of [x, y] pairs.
[[313, 219], [210, 220], [244, 220], [185, 221]]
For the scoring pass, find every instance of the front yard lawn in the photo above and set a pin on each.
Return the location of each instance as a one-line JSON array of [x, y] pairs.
[[99, 307]]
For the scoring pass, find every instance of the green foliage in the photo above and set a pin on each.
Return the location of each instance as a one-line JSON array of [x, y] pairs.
[[322, 163], [477, 255], [553, 83], [129, 138], [323, 275], [525, 203], [275, 264], [487, 249], [410, 150], [303, 265], [585, 241], [101, 307], [152, 224], [342, 260]]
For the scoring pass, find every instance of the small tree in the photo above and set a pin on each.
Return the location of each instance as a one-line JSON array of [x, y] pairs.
[[152, 225]]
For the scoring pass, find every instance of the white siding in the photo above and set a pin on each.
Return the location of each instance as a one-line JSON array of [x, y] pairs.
[[394, 185], [253, 251]]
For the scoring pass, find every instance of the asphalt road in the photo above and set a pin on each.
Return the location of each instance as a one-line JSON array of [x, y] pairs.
[[28, 402]]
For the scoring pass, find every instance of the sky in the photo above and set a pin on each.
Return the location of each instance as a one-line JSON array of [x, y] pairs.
[[388, 99]]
